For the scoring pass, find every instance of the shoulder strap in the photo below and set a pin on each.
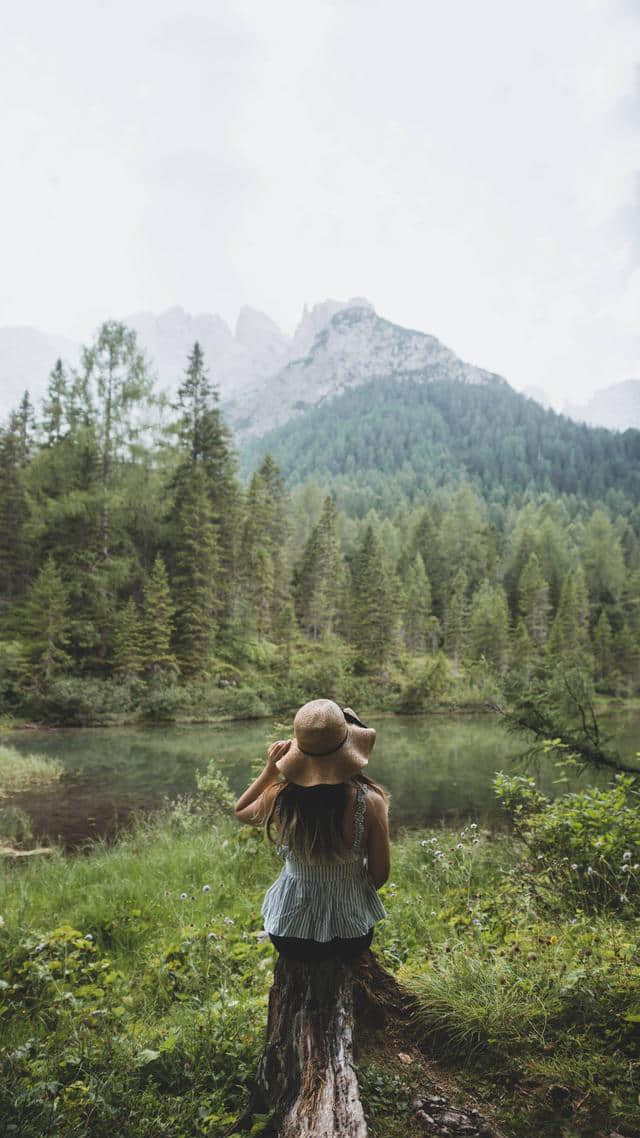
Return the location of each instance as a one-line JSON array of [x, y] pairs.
[[360, 807]]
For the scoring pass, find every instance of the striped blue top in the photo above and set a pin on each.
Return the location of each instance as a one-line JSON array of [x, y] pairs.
[[322, 900]]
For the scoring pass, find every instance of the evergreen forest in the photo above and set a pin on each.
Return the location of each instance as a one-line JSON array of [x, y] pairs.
[[407, 544]]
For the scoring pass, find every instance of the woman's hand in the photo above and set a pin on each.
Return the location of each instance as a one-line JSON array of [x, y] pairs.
[[276, 751]]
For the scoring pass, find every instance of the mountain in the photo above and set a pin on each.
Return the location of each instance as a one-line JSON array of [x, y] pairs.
[[616, 407], [244, 358], [354, 347], [397, 437]]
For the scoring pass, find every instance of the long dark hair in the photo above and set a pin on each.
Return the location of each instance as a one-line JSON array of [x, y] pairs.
[[310, 818]]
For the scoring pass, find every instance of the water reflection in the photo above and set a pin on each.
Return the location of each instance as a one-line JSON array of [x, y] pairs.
[[437, 768]]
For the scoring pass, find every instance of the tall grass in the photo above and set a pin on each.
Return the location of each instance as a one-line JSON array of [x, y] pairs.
[[18, 771]]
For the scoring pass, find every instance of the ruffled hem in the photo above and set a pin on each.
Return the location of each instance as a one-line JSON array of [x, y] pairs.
[[291, 907]]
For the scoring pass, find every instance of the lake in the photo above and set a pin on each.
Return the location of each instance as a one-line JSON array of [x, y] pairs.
[[438, 768]]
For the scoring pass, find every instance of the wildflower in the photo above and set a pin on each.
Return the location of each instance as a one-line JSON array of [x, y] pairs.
[[589, 870], [438, 853], [476, 922], [206, 888], [433, 913], [574, 865], [229, 921], [434, 841], [424, 843], [474, 841], [183, 896], [473, 826], [88, 936], [262, 935], [392, 885], [539, 857], [626, 855], [623, 898], [625, 868], [459, 846], [1, 922], [212, 936], [636, 865]]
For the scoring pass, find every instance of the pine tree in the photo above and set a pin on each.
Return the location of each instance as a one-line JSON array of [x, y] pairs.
[[417, 607], [205, 440], [157, 623], [569, 636], [489, 626], [319, 579], [603, 647], [128, 654], [372, 611], [195, 570], [284, 633], [603, 561], [14, 513], [534, 603], [55, 405], [521, 657], [45, 621], [456, 621]]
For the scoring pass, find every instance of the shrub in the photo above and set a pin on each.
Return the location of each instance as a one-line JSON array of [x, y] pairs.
[[586, 844]]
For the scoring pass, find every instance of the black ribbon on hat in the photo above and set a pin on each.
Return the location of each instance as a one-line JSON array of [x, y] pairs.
[[321, 754]]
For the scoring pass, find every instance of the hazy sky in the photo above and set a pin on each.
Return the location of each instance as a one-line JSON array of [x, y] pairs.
[[470, 167]]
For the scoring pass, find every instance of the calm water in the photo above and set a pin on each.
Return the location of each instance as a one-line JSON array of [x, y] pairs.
[[437, 768]]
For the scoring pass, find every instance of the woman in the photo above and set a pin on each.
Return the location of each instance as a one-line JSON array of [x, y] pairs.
[[329, 816]]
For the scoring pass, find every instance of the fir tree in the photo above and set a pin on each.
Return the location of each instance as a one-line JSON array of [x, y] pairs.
[[417, 607], [128, 654], [456, 626], [372, 608], [45, 621], [157, 623], [603, 647], [489, 626], [319, 578], [534, 603], [195, 569]]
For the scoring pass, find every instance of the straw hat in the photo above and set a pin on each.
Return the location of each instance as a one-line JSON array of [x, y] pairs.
[[325, 748]]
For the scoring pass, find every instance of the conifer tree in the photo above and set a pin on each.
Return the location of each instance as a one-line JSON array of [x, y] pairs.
[[456, 621], [569, 636], [14, 512], [319, 578], [205, 440], [522, 656], [534, 603], [372, 613], [489, 626], [284, 632], [417, 607], [195, 570], [128, 655], [54, 407], [603, 647], [45, 621], [157, 623]]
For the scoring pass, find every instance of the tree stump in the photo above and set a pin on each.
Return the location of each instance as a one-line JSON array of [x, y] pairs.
[[306, 1074]]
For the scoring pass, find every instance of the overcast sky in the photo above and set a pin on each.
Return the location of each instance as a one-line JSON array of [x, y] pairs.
[[470, 167]]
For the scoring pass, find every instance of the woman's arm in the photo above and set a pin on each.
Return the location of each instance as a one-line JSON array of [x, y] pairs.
[[378, 851], [250, 805]]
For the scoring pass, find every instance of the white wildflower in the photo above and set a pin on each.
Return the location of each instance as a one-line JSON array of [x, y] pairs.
[[476, 922], [625, 868], [206, 888], [473, 826], [459, 846], [229, 921], [474, 841], [424, 843], [184, 896], [574, 865], [589, 870], [626, 855], [433, 913]]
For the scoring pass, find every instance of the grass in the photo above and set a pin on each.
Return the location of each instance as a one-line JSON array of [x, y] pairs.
[[19, 772], [134, 986]]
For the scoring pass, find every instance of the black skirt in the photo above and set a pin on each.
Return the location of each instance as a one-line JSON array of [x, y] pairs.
[[302, 948]]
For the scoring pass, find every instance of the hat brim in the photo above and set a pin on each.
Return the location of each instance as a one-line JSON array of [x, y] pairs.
[[343, 764]]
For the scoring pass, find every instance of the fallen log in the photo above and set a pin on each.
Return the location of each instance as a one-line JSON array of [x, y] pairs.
[[8, 851]]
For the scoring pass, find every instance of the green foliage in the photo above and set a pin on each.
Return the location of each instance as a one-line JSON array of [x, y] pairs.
[[18, 771], [586, 845], [75, 701]]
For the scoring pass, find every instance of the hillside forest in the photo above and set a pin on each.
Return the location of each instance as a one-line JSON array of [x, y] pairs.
[[142, 578]]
